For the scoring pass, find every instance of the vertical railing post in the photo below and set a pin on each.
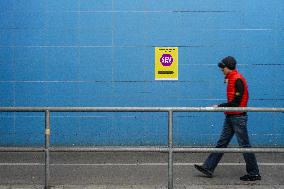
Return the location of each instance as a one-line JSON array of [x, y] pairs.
[[46, 150], [170, 147]]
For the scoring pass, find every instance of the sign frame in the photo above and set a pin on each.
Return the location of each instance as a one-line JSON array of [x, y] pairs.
[[166, 63]]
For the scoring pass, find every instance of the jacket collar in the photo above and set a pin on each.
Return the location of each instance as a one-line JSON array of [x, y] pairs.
[[233, 72]]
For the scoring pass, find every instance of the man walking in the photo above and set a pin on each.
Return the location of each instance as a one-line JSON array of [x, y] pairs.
[[235, 122]]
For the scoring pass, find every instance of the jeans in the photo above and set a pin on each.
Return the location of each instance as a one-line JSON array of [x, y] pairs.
[[233, 124]]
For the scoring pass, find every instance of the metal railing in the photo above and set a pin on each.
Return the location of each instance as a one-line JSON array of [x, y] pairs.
[[170, 149]]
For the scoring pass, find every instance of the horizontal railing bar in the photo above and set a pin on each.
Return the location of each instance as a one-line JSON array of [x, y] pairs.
[[226, 109], [21, 149], [230, 150], [166, 149], [109, 149], [140, 109], [146, 149]]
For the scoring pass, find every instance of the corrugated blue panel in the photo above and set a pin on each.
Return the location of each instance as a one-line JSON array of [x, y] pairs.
[[264, 18], [198, 140], [260, 19], [28, 37], [278, 139], [268, 138], [193, 21], [195, 5], [95, 64], [95, 37], [29, 5], [163, 31], [101, 53], [259, 124], [279, 39], [63, 5], [92, 20], [6, 37], [163, 94], [6, 64], [26, 20], [61, 37], [129, 5], [78, 94], [7, 124], [265, 102], [18, 130], [64, 127], [7, 130], [129, 29], [29, 130], [215, 29], [189, 72], [30, 64], [134, 58], [197, 123], [7, 20], [30, 94], [6, 6], [62, 93], [145, 128], [212, 39], [96, 94], [95, 28], [260, 39], [95, 5], [279, 19], [62, 64], [7, 94], [62, 20], [102, 129]]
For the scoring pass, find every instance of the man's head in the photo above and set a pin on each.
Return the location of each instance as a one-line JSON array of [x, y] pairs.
[[227, 64]]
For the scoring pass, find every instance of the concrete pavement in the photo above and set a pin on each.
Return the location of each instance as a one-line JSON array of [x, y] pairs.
[[144, 187], [134, 171]]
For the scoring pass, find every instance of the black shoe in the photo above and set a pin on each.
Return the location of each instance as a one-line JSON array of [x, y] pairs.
[[204, 171], [250, 177]]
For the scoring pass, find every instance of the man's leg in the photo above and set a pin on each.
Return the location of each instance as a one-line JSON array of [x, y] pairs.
[[240, 127], [227, 133]]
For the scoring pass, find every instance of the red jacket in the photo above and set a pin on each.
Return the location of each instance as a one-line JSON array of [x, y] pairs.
[[232, 77]]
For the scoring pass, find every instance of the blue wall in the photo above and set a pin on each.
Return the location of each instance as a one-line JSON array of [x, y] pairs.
[[101, 53]]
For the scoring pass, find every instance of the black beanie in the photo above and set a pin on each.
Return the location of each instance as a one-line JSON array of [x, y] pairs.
[[229, 62]]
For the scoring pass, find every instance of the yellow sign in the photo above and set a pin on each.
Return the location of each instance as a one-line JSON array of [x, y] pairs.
[[166, 63]]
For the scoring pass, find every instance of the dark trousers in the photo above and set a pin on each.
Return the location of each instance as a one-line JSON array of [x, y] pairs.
[[236, 124]]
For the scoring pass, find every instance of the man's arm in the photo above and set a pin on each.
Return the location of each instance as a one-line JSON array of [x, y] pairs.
[[239, 91]]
